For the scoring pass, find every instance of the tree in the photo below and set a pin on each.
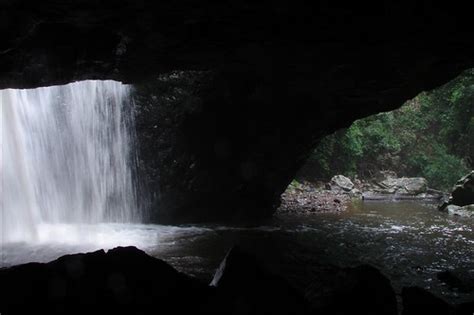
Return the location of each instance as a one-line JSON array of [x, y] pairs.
[[430, 136]]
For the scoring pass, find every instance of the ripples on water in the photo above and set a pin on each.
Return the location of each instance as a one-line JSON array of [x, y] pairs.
[[410, 242]]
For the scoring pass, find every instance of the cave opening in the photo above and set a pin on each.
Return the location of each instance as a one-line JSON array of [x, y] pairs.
[[384, 182]]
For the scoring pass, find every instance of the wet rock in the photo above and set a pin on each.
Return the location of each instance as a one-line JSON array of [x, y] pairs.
[[444, 205], [359, 290], [469, 207], [462, 194], [415, 185], [463, 191], [397, 197], [458, 279], [340, 182], [123, 280], [436, 192], [356, 193], [465, 211], [249, 288], [404, 185], [417, 301], [387, 187]]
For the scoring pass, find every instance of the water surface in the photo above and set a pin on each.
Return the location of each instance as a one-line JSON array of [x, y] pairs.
[[410, 242]]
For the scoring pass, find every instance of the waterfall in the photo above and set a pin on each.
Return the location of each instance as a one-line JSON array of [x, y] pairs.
[[67, 157]]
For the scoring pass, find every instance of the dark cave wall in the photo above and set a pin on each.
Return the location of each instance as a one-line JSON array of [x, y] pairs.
[[232, 96], [210, 149], [50, 42]]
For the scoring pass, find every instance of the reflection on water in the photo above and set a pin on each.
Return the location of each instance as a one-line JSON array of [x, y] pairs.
[[409, 242]]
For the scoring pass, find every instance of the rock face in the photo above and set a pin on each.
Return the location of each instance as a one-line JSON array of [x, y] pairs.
[[272, 79], [462, 197]]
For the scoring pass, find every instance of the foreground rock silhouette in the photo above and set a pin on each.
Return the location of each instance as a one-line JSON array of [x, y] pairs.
[[419, 301], [125, 280], [250, 289]]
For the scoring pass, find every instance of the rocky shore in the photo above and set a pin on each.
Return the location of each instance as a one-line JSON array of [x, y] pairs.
[[334, 196], [387, 185], [310, 198]]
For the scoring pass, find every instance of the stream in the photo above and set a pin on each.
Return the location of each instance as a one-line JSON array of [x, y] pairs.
[[410, 242]]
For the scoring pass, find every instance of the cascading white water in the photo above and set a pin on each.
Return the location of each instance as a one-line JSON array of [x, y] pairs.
[[67, 157]]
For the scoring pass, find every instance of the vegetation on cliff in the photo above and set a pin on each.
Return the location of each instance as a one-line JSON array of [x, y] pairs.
[[429, 136]]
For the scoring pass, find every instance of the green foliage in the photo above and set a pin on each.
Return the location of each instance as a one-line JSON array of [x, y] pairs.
[[443, 169], [294, 185], [430, 136]]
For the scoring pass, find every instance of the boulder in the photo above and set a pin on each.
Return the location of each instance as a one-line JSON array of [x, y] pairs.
[[462, 194], [340, 182], [123, 280], [463, 191], [390, 187], [248, 287], [415, 185], [466, 308], [465, 211], [404, 185], [418, 301], [359, 290]]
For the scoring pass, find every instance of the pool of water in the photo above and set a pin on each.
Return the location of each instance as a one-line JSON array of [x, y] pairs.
[[409, 242]]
